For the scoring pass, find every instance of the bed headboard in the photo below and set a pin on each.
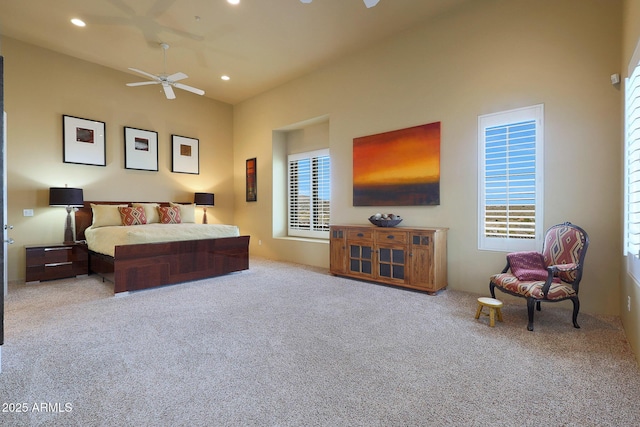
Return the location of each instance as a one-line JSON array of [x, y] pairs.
[[84, 215]]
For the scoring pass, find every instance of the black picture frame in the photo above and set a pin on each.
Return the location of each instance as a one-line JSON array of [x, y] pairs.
[[185, 155], [140, 149], [83, 141]]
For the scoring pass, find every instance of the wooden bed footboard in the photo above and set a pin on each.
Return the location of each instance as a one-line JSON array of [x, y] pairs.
[[147, 265], [144, 266]]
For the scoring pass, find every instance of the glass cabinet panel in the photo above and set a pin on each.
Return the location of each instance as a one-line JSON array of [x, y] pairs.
[[360, 259]]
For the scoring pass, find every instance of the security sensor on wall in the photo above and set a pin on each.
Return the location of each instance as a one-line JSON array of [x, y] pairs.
[[615, 79]]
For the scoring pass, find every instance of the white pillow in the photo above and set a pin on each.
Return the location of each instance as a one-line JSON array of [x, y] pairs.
[[106, 215], [150, 211], [187, 212]]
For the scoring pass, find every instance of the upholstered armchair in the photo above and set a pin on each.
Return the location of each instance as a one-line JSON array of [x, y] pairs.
[[551, 276]]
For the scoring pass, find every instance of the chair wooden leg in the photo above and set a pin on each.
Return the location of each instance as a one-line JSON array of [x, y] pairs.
[[576, 308], [538, 305], [492, 290], [531, 303]]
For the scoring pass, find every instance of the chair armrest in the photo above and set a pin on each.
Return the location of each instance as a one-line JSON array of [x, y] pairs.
[[555, 269], [506, 268], [563, 268]]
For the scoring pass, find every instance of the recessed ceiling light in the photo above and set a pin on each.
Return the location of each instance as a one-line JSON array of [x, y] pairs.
[[225, 77], [78, 22], [233, 1]]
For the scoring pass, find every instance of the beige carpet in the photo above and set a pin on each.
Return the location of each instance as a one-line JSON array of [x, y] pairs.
[[287, 345]]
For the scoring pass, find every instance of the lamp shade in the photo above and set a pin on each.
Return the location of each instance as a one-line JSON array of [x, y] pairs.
[[64, 196], [203, 199]]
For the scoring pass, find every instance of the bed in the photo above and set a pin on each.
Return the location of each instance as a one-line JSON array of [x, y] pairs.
[[144, 263]]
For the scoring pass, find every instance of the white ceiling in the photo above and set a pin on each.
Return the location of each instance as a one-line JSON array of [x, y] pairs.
[[260, 44]]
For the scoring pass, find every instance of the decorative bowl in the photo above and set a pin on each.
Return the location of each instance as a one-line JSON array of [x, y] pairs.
[[385, 222]]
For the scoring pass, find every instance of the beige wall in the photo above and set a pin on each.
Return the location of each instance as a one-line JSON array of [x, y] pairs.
[[630, 289], [484, 57], [41, 86]]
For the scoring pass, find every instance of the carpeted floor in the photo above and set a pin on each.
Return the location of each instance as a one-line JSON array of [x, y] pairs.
[[288, 345]]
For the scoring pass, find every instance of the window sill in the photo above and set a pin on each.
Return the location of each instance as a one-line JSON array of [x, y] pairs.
[[303, 239]]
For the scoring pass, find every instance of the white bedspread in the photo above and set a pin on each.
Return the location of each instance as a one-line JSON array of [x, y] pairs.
[[104, 239]]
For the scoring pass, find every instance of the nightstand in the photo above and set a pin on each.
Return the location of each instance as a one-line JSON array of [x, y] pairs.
[[56, 261]]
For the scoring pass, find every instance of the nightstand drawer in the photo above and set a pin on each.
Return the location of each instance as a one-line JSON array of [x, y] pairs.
[[50, 271], [48, 262], [48, 255]]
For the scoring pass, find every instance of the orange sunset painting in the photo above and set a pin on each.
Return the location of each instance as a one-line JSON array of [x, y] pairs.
[[398, 168]]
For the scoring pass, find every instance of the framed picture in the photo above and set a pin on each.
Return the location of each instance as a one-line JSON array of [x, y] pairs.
[[185, 155], [83, 141], [252, 188], [140, 149]]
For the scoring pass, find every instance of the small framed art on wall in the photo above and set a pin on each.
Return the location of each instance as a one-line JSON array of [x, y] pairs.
[[185, 155], [140, 149], [83, 141]]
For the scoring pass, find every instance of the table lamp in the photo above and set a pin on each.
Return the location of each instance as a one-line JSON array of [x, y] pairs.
[[69, 198], [204, 200]]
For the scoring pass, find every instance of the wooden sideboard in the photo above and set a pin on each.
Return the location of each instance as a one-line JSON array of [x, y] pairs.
[[409, 257]]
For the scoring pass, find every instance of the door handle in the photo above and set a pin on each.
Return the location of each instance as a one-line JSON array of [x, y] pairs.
[[10, 241]]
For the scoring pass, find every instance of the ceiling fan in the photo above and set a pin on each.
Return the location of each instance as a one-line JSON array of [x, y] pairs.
[[168, 82], [368, 3]]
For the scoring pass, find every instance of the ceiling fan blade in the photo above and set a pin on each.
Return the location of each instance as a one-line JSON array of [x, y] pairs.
[[142, 83], [159, 7], [177, 76], [168, 91], [144, 73], [189, 88]]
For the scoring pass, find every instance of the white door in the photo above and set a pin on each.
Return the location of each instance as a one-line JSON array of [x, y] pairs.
[[5, 236], [3, 174]]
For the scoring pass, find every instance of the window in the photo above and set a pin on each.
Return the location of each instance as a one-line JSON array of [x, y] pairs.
[[632, 173], [510, 179], [309, 183]]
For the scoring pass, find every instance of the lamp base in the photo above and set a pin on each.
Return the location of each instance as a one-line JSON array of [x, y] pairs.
[[68, 229], [204, 217]]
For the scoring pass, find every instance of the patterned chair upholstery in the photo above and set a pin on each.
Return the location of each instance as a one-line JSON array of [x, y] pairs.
[[553, 275]]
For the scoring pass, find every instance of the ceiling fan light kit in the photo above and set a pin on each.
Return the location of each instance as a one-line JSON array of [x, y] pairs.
[[168, 82]]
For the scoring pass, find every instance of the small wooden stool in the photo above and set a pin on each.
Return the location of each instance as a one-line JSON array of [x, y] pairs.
[[494, 308]]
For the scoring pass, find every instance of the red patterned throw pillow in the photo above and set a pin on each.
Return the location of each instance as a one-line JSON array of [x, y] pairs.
[[169, 215], [527, 266], [132, 216]]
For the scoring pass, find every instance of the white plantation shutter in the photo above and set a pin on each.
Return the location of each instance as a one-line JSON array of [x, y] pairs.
[[322, 183], [632, 175], [309, 189], [510, 181]]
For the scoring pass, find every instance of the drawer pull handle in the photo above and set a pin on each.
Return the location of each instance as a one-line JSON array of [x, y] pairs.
[[64, 248], [391, 236], [360, 234], [57, 264]]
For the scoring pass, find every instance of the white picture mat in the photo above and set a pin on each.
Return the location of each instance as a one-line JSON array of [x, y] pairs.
[[136, 158], [84, 152], [185, 163]]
